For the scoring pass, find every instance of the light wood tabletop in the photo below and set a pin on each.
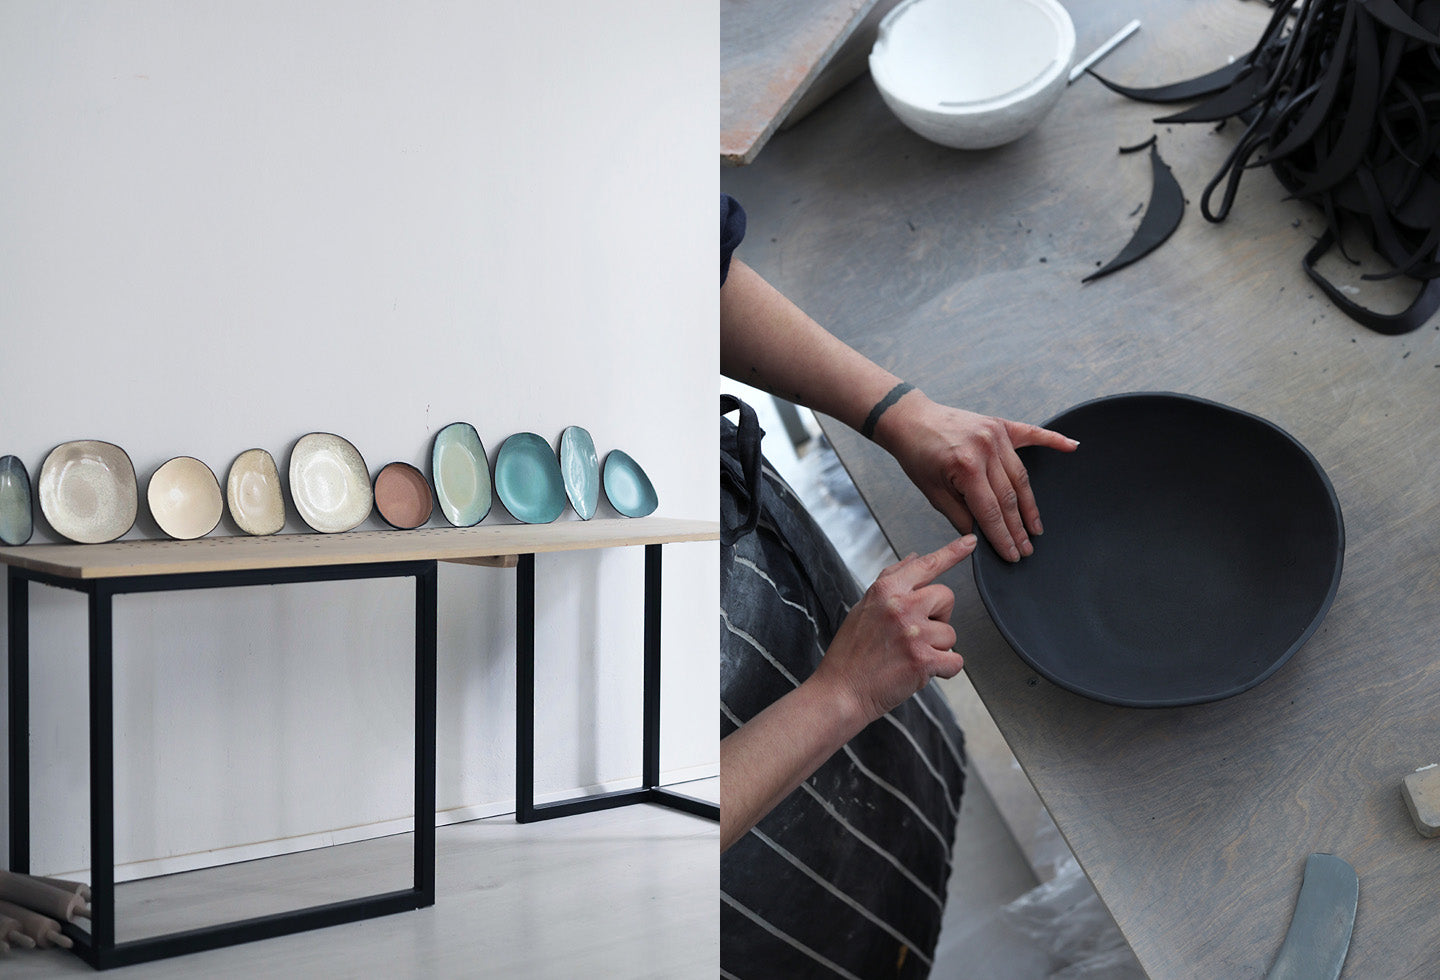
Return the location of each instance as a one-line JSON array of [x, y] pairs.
[[457, 544], [961, 273]]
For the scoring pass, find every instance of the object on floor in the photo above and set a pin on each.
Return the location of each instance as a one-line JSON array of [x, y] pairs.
[[1162, 214], [1319, 934], [1065, 918], [1335, 103], [1421, 790], [39, 896]]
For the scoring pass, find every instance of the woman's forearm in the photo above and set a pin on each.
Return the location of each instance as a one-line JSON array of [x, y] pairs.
[[768, 342], [772, 753]]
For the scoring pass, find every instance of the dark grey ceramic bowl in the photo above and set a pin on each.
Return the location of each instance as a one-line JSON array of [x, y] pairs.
[[1189, 550]]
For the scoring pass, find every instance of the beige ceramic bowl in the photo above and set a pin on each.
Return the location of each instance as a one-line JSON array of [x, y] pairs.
[[254, 494], [184, 498]]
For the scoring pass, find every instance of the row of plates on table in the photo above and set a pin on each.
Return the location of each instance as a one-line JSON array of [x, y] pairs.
[[88, 492]]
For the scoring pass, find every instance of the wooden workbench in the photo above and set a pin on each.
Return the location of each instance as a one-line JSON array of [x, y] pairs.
[[961, 272]]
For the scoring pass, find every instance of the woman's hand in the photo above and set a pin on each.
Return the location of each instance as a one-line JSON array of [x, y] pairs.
[[966, 466], [897, 636]]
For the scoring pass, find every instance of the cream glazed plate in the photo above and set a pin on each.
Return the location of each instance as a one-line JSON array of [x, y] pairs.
[[87, 491], [184, 498], [253, 492], [330, 483]]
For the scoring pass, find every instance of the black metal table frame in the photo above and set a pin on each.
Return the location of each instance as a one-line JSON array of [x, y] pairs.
[[98, 946], [650, 791]]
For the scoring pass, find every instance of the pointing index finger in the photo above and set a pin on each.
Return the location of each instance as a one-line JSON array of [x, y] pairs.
[[923, 570]]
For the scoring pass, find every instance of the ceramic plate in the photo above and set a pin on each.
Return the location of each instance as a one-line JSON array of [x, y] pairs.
[[88, 492], [462, 474], [1189, 550], [528, 480], [17, 512], [581, 469], [329, 483], [254, 494], [402, 496], [627, 487], [184, 498]]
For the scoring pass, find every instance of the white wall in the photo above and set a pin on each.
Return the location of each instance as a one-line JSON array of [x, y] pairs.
[[228, 224]]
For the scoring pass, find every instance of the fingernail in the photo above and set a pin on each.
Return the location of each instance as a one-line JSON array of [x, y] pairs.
[[1014, 554], [1039, 528], [1027, 549]]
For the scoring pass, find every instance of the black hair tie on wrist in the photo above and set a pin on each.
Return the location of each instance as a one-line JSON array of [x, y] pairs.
[[896, 393]]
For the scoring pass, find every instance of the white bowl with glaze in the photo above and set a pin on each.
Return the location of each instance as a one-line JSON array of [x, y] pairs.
[[973, 74]]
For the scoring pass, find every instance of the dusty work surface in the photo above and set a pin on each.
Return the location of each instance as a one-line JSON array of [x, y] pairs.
[[961, 272]]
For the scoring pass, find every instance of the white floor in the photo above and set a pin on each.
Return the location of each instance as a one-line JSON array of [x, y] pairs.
[[624, 893]]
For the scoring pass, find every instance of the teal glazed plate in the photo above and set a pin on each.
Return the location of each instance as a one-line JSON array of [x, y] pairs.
[[627, 487], [461, 473], [17, 510], [528, 479], [581, 469]]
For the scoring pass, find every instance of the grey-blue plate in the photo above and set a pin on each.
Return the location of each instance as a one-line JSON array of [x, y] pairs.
[[461, 473], [581, 469], [17, 508], [528, 479], [627, 487]]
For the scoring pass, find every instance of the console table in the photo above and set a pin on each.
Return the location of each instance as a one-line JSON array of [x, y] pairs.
[[106, 570]]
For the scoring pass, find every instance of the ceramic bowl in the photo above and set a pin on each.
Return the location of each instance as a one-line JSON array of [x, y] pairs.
[[528, 479], [184, 498], [1190, 549], [17, 506], [253, 493], [973, 74], [330, 483], [461, 472], [627, 487], [87, 491], [581, 469], [402, 496]]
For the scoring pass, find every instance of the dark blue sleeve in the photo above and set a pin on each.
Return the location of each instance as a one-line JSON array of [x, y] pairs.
[[732, 230]]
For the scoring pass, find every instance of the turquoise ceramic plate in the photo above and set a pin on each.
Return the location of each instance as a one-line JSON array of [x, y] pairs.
[[17, 510], [87, 491], [461, 474], [581, 469], [627, 487], [528, 480]]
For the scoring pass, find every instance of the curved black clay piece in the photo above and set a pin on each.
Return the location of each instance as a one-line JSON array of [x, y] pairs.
[[1340, 101], [1186, 91], [1162, 217]]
